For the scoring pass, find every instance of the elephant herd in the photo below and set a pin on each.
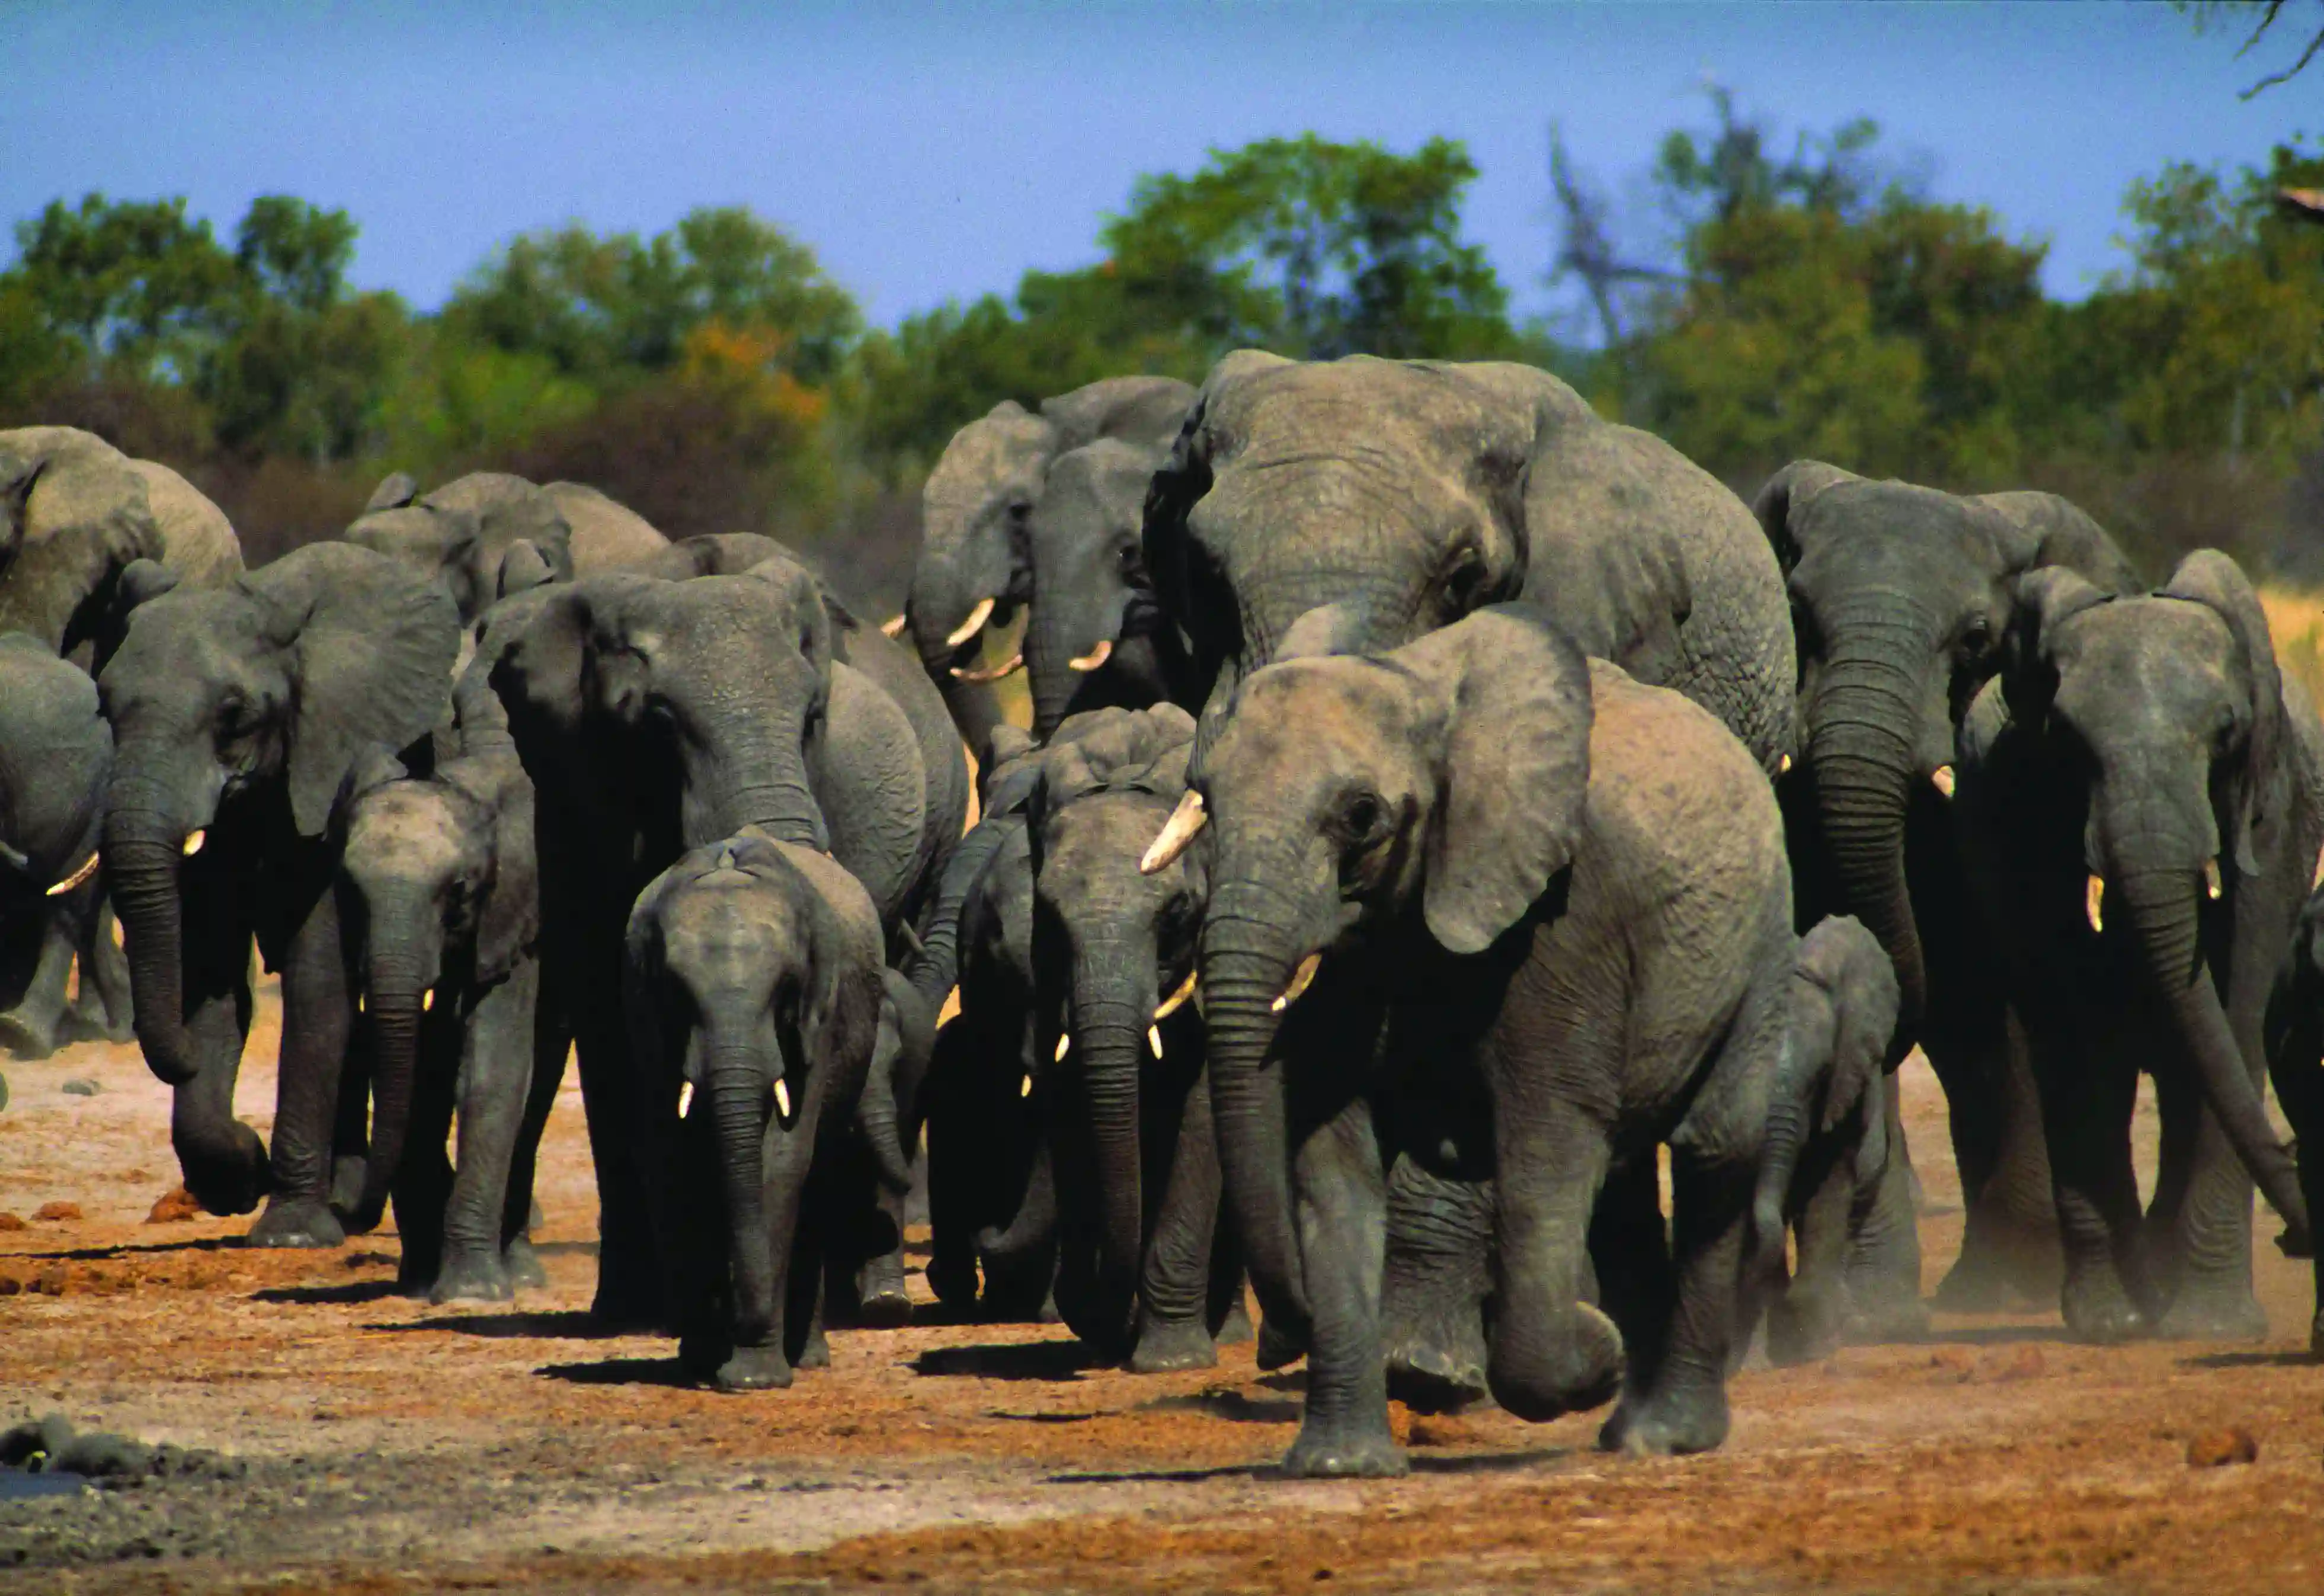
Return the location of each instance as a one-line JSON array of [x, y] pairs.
[[1467, 874]]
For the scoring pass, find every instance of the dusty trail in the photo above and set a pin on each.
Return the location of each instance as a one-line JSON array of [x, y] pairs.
[[396, 1447]]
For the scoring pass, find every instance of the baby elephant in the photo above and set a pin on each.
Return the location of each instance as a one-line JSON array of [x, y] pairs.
[[441, 910], [1827, 1140], [766, 1034]]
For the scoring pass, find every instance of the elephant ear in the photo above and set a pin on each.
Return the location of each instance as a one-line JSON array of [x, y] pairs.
[[1862, 983], [806, 607], [395, 490], [655, 1082], [523, 567], [1784, 499], [1514, 763], [140, 582], [1180, 481], [18, 476], [371, 647], [507, 921], [2037, 531], [2046, 600], [2212, 579]]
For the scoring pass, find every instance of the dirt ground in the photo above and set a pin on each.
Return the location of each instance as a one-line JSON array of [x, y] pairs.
[[392, 1446]]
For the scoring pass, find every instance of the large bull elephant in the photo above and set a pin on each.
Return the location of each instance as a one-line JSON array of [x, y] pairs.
[[975, 565], [1902, 599], [237, 715]]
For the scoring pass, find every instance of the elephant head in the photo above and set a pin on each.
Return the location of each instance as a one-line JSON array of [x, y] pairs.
[[74, 513], [754, 998], [482, 537], [1096, 634], [976, 555], [55, 754], [1901, 598], [606, 534], [2169, 712], [245, 708], [1449, 775]]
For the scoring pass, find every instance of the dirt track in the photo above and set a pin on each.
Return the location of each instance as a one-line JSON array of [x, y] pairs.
[[397, 1447]]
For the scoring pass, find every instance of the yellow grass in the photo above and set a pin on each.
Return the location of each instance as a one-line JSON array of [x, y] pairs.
[[2295, 622]]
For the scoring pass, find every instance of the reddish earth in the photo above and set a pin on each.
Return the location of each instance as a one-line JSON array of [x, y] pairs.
[[395, 1447]]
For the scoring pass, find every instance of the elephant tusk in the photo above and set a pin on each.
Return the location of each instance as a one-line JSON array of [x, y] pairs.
[[193, 843], [1093, 659], [19, 863], [1785, 767], [88, 869], [1185, 820], [427, 1001], [359, 1002], [1176, 999], [1941, 779], [1299, 980], [684, 1097], [2093, 904], [1025, 1086], [1064, 1045], [992, 673], [893, 627], [1154, 1039], [969, 628], [783, 1097], [2211, 879]]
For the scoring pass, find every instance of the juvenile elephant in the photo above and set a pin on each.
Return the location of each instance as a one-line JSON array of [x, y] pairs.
[[2142, 828], [1902, 598], [441, 912], [1827, 1135], [483, 536], [975, 565], [237, 715], [1396, 496], [55, 755], [753, 983], [1541, 917]]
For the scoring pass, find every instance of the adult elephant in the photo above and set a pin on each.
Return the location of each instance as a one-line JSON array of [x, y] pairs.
[[1396, 496], [656, 716], [606, 534], [481, 536], [975, 565], [237, 715], [2143, 826], [1902, 598]]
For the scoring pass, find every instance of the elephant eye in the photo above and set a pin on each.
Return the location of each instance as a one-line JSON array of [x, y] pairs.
[[1360, 818], [1976, 637], [1462, 579]]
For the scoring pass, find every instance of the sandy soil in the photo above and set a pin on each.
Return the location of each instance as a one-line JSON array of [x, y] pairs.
[[393, 1446]]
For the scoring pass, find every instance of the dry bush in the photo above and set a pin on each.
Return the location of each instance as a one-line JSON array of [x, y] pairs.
[[2295, 622]]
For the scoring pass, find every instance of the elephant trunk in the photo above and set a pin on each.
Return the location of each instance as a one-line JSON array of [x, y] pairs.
[[1779, 1162], [876, 1120], [393, 989], [142, 857], [1861, 755], [934, 969], [1109, 1026], [737, 1083], [1033, 1223], [2162, 907]]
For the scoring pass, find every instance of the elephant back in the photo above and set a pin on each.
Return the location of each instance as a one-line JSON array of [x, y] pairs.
[[605, 534], [199, 545]]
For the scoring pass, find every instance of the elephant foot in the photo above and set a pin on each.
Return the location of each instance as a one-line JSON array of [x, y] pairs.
[[1574, 1363], [1278, 1349], [634, 1308], [523, 1266], [954, 1281], [885, 1308], [1991, 1276], [87, 1022], [1346, 1451], [1883, 1319], [28, 1037], [1168, 1345], [296, 1222], [2202, 1312], [349, 1171], [817, 1352], [1235, 1328], [1431, 1378], [752, 1369], [1802, 1328], [1667, 1423], [230, 1180], [2099, 1311], [472, 1277]]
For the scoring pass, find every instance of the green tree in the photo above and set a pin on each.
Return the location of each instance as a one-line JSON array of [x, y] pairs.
[[135, 283]]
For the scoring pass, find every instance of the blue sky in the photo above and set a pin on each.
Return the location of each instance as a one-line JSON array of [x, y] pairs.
[[932, 151]]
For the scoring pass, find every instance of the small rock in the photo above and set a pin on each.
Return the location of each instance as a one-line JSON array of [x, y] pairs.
[[51, 1281], [174, 1207], [11, 1222], [2216, 1449], [10, 1286], [56, 1211], [81, 1086]]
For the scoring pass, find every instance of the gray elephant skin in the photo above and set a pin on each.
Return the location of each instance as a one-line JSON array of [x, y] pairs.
[[238, 715], [2141, 825], [1541, 917], [754, 986], [483, 536], [1377, 500], [975, 565], [2294, 1037], [1901, 600]]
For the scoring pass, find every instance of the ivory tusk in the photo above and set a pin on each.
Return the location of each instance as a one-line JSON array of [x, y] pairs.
[[1176, 999], [783, 1097], [359, 1002], [1064, 1046], [1299, 980], [1941, 779], [1785, 766], [1025, 1086], [969, 628], [427, 1001], [2093, 904], [684, 1097], [2211, 879], [990, 673], [1094, 658], [193, 843], [893, 627], [88, 869], [1185, 820], [1154, 1039]]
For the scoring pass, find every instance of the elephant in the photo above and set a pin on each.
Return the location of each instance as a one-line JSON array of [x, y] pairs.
[[75, 514], [1094, 632], [238, 715], [1826, 1146], [440, 916], [56, 752], [761, 1024], [483, 536], [607, 535], [2140, 801], [1396, 496], [974, 566], [1902, 599], [1486, 905], [654, 716], [2294, 1037]]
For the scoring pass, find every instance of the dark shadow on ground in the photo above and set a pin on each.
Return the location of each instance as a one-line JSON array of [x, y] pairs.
[[1031, 1360], [97, 1254], [1982, 1335], [2279, 1360], [1487, 1463], [619, 1371], [354, 1291], [1164, 1476], [546, 1324], [1232, 1405]]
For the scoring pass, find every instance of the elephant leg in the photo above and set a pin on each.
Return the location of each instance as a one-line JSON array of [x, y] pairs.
[[1437, 1274], [630, 1285], [2199, 1227], [954, 1218], [496, 1068], [880, 1299], [2009, 1255], [423, 1179], [551, 1045], [1174, 1281], [1804, 1321], [351, 1126], [35, 1026], [810, 1288], [222, 1160], [316, 1014], [2087, 1100], [1631, 1260], [2300, 1088], [759, 1361], [1884, 1252], [1339, 1203], [103, 1005], [1681, 1406]]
